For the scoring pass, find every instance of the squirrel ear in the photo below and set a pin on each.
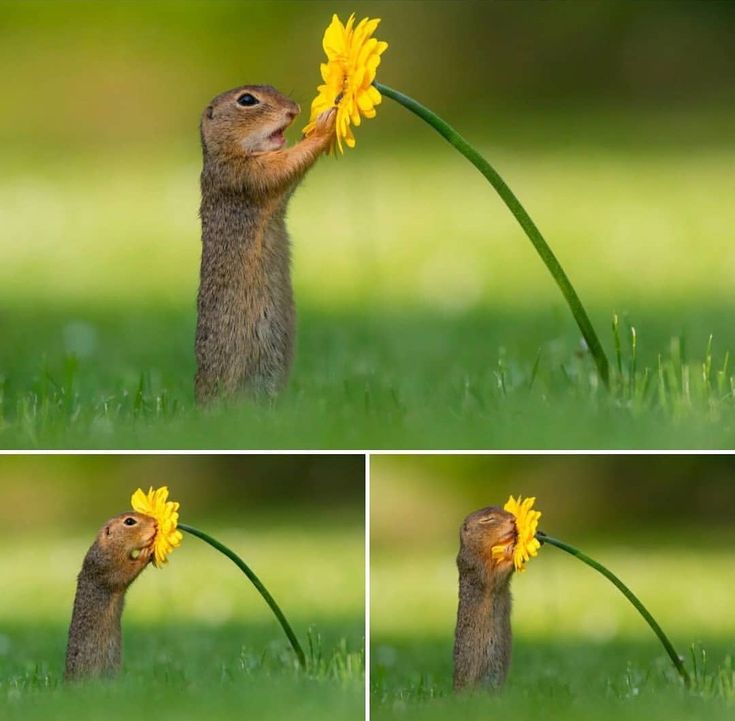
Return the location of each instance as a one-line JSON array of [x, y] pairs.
[[210, 112], [107, 530]]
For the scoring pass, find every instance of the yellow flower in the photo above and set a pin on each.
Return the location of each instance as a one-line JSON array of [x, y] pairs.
[[525, 544], [353, 57], [166, 514]]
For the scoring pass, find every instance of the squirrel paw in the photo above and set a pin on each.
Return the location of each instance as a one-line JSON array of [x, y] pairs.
[[326, 121]]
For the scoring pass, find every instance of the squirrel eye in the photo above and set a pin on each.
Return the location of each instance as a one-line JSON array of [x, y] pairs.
[[130, 521], [247, 99]]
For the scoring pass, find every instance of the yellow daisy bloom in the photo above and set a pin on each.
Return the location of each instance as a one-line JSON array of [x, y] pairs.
[[166, 514], [353, 57], [526, 544]]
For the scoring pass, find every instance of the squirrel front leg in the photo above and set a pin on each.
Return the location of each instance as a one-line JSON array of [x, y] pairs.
[[283, 168]]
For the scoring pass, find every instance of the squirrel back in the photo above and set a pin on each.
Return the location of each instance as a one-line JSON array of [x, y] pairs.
[[122, 549]]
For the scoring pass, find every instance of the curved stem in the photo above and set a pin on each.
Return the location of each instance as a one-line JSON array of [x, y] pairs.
[[515, 207], [675, 659], [256, 582]]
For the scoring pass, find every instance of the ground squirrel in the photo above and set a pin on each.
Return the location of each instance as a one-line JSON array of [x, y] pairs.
[[122, 549], [482, 639], [246, 316]]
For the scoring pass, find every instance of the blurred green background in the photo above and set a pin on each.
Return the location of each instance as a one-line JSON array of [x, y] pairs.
[[198, 637], [662, 523], [612, 121]]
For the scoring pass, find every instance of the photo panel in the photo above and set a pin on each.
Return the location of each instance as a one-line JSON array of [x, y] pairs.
[[590, 586], [199, 586]]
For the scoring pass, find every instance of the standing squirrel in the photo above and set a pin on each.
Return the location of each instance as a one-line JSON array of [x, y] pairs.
[[246, 316], [482, 640], [122, 549]]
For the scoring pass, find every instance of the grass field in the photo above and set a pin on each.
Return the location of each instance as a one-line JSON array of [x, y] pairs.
[[198, 640], [426, 320], [556, 680], [580, 650]]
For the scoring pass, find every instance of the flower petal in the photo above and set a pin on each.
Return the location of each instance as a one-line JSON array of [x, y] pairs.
[[166, 514], [353, 57], [526, 520]]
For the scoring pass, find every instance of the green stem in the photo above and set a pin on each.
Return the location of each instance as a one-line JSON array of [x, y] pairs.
[[515, 207], [256, 582], [675, 659]]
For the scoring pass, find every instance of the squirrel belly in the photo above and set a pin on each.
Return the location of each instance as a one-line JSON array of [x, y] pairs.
[[483, 638], [245, 308], [95, 636]]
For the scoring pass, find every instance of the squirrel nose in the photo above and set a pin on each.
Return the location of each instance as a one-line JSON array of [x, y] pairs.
[[293, 112]]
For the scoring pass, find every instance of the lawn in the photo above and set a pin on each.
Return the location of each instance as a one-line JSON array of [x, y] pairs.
[[554, 680], [580, 650], [425, 318], [195, 644]]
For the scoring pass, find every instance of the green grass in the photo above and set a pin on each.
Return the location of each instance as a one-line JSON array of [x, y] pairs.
[[198, 640], [568, 680], [580, 650], [425, 318], [479, 380], [185, 671]]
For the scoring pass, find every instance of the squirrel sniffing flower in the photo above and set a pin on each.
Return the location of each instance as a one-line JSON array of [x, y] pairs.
[[124, 546], [494, 543], [122, 549]]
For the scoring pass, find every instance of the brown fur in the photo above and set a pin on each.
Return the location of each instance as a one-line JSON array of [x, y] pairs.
[[246, 316], [95, 641], [482, 640]]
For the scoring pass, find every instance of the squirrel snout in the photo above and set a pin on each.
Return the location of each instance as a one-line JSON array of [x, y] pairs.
[[292, 109]]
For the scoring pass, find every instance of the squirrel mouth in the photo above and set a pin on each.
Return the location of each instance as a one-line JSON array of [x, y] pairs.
[[509, 541], [277, 137], [145, 550]]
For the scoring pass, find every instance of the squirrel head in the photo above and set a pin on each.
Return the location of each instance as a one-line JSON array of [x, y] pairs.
[[246, 121], [480, 531], [123, 548]]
